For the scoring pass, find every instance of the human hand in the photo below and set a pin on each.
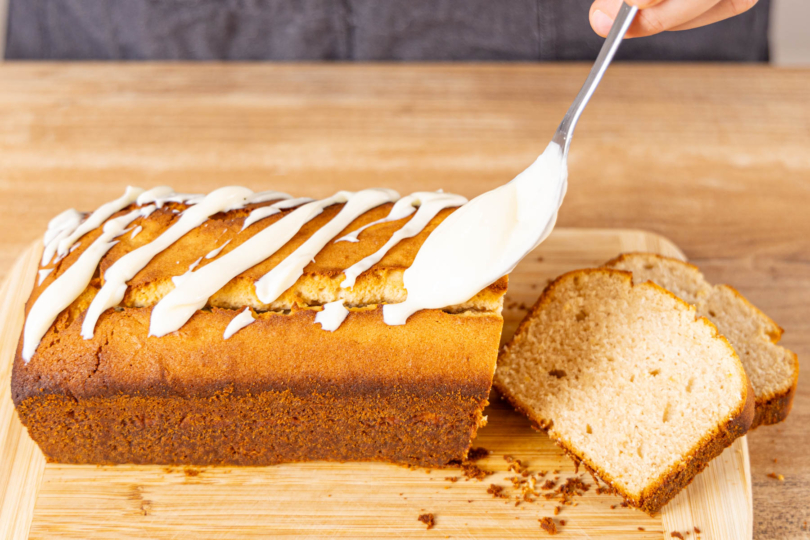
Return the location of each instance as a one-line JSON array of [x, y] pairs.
[[657, 16]]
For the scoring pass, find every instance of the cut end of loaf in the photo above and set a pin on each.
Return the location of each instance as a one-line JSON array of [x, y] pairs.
[[628, 381]]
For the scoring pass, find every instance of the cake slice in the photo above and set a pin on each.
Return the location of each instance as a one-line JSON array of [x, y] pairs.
[[628, 381], [772, 369]]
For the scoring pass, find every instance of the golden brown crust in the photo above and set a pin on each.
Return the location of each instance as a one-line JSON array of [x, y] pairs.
[[254, 429], [680, 475], [433, 350], [774, 409], [418, 389]]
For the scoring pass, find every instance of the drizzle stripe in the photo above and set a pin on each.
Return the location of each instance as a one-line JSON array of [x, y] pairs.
[[332, 315], [125, 268], [401, 209], [270, 286], [94, 221], [429, 203], [216, 251], [237, 323], [67, 287], [177, 307], [267, 211], [264, 196]]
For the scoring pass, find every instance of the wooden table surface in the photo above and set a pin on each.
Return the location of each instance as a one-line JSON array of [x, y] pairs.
[[717, 158]]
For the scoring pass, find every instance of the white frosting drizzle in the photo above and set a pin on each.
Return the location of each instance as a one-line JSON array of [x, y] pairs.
[[135, 231], [264, 196], [59, 228], [76, 246], [484, 239], [430, 204], [214, 252], [177, 280], [93, 221], [171, 312], [125, 268], [68, 218], [401, 209], [177, 307], [157, 195], [237, 323], [68, 286], [332, 315], [270, 286], [267, 211], [43, 274]]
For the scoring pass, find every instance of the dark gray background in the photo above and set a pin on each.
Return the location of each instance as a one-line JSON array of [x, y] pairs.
[[352, 30]]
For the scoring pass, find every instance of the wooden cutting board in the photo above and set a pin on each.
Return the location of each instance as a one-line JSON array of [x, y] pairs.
[[352, 500]]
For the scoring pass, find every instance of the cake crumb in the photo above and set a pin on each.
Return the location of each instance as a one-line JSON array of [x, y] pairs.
[[547, 524], [776, 477], [188, 471], [477, 453], [473, 471], [676, 534], [496, 491], [428, 520], [642, 529], [556, 510]]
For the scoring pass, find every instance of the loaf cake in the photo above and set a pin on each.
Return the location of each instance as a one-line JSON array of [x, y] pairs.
[[247, 329], [628, 381], [773, 370]]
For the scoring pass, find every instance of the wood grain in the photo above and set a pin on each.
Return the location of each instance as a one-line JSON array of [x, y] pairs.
[[21, 462], [359, 500], [717, 158]]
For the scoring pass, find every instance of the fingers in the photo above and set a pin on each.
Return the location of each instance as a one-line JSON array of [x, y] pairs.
[[725, 9], [662, 15], [643, 4]]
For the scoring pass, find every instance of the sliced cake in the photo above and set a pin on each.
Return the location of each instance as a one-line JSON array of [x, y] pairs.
[[772, 369], [628, 381]]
